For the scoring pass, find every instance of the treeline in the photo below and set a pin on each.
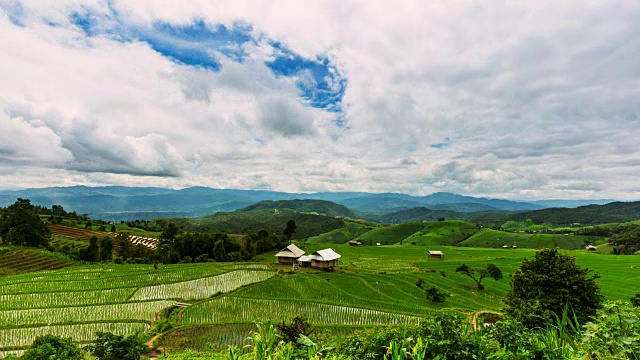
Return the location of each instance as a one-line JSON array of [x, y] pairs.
[[21, 225], [615, 212]]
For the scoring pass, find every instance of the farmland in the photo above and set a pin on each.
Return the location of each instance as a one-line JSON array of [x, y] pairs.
[[21, 261], [372, 285]]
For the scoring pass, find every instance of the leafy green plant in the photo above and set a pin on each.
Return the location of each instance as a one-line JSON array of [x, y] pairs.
[[434, 294]]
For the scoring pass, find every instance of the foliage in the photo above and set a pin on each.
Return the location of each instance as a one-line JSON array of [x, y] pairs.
[[614, 212], [298, 326], [322, 207], [50, 347], [290, 229], [21, 225], [635, 300], [108, 346], [545, 285], [477, 274], [434, 294], [614, 334]]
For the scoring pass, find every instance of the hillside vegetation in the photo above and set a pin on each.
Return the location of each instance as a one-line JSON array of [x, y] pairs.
[[615, 212], [351, 230], [449, 232], [321, 207], [496, 238], [242, 222]]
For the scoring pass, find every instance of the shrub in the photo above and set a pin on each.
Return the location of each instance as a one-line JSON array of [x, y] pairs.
[[50, 347], [291, 332], [117, 347], [419, 282], [434, 294], [635, 301]]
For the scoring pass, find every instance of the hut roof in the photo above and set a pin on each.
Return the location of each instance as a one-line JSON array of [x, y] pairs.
[[591, 247], [327, 255], [290, 251], [435, 253]]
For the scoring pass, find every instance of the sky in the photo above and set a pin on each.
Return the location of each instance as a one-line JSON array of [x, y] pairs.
[[508, 99]]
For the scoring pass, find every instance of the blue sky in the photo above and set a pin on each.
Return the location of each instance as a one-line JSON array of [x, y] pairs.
[[513, 100]]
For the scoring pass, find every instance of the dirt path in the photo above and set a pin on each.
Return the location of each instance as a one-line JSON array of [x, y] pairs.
[[474, 320]]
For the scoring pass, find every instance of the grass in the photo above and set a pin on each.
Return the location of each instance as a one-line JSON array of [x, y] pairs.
[[351, 230], [448, 232], [390, 234], [497, 238]]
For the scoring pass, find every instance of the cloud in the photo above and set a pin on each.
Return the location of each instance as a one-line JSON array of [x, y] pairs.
[[327, 95]]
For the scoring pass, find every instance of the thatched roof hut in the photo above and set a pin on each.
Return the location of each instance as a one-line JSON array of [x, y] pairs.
[[436, 254], [289, 254], [324, 259]]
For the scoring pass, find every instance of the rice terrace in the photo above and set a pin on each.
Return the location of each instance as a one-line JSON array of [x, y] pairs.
[[319, 180]]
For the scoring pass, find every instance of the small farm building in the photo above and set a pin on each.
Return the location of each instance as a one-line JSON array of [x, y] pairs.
[[289, 254], [355, 243], [436, 254], [323, 259], [591, 248]]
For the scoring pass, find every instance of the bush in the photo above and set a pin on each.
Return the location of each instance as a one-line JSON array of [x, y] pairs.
[[50, 347], [202, 258], [420, 282], [635, 301], [544, 286], [117, 347], [434, 294], [291, 332]]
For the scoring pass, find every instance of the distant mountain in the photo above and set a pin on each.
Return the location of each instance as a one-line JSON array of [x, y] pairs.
[[323, 207], [570, 203], [128, 203], [587, 215]]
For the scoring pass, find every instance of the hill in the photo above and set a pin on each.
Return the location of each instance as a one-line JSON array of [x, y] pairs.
[[448, 232], [351, 230], [242, 222], [128, 203], [496, 238], [428, 214], [390, 234], [322, 207], [615, 212]]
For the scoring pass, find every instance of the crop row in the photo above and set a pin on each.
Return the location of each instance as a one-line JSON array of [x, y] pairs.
[[23, 261], [79, 332], [231, 309], [206, 337], [110, 282], [60, 299], [204, 287], [143, 311]]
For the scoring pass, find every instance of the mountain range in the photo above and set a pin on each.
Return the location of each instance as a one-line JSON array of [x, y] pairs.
[[127, 203]]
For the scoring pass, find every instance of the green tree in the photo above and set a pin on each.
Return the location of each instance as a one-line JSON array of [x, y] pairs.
[[50, 347], [477, 274], [106, 249], [124, 245], [635, 301], [169, 234], [108, 346], [92, 253], [290, 229], [544, 286], [113, 228], [21, 225], [434, 294], [219, 253]]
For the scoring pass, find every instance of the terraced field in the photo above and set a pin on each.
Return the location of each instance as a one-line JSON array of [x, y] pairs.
[[22, 261], [124, 299], [79, 238], [495, 238]]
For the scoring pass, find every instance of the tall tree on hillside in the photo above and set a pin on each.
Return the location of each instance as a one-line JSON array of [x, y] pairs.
[[477, 274], [546, 284], [219, 253], [92, 253], [20, 225], [124, 245], [169, 234], [106, 249], [290, 229]]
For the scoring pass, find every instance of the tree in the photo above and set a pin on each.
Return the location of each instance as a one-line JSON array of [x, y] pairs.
[[113, 228], [50, 347], [106, 249], [478, 274], [169, 234], [108, 346], [434, 294], [635, 301], [92, 253], [219, 254], [21, 225], [124, 245], [290, 229], [544, 286]]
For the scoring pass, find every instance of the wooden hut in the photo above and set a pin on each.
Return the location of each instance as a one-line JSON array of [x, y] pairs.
[[289, 254], [355, 243], [591, 248], [436, 255], [322, 259]]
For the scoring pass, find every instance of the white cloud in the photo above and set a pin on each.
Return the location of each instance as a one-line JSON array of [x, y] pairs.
[[539, 99]]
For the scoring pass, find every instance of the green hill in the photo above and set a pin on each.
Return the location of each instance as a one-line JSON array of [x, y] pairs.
[[351, 230], [615, 212], [322, 207], [427, 214], [448, 232], [242, 222], [390, 234], [496, 238]]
